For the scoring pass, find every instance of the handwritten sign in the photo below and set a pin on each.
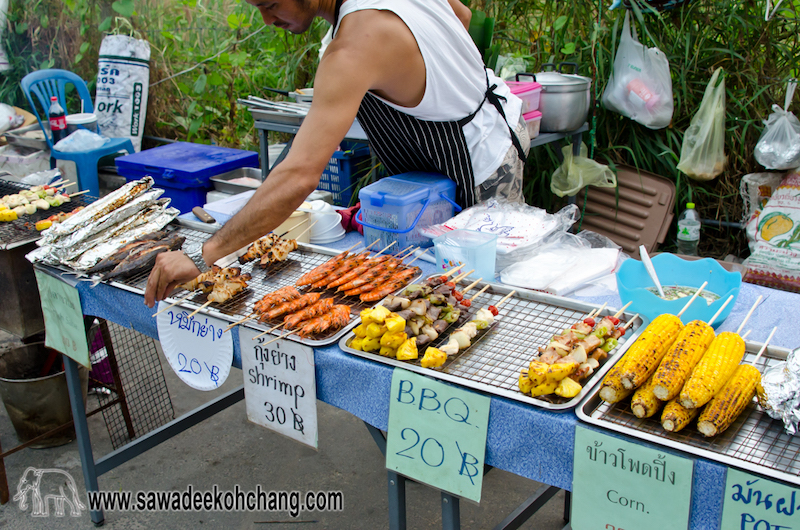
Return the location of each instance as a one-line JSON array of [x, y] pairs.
[[621, 485], [63, 318], [280, 386], [437, 434], [755, 503], [196, 347]]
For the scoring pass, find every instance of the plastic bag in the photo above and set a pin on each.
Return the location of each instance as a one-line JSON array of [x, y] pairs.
[[640, 86], [520, 228], [42, 177], [779, 145], [577, 172], [81, 140], [703, 149], [755, 190]]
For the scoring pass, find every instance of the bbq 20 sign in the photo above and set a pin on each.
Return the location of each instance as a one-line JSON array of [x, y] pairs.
[[437, 434]]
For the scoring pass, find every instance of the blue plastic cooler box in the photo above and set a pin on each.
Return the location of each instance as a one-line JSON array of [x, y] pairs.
[[184, 169], [395, 208]]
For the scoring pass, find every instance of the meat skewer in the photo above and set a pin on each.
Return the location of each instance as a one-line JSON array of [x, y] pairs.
[[224, 290], [203, 283], [259, 247], [279, 252]]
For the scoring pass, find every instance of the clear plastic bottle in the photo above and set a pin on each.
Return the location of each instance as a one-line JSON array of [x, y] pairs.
[[58, 120], [688, 231]]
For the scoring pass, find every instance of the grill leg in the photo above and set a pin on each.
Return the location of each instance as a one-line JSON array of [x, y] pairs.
[[112, 360]]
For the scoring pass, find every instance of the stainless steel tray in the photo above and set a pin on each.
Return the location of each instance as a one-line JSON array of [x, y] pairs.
[[18, 137], [264, 281], [492, 363], [222, 182], [755, 442]]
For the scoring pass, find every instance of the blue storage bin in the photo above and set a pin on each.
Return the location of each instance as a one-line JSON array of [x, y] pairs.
[[343, 171], [184, 169], [395, 208]]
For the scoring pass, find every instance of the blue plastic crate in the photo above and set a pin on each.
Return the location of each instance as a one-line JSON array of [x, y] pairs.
[[343, 171]]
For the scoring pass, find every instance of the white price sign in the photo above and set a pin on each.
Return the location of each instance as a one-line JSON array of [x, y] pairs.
[[197, 347], [280, 387]]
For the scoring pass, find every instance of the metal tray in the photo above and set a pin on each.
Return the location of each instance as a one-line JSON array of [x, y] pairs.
[[755, 442], [492, 363], [264, 281], [222, 182], [17, 137]]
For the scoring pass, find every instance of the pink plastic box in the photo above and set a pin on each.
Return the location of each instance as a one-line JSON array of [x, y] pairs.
[[528, 92], [533, 120]]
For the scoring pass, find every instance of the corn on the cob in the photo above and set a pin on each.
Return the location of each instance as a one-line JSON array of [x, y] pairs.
[[683, 355], [726, 406], [612, 390], [643, 357], [713, 371], [675, 416], [644, 402]]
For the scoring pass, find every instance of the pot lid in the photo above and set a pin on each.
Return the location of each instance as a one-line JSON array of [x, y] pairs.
[[557, 82]]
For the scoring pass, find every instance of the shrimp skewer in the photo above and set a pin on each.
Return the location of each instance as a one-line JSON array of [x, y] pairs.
[[321, 271], [292, 306], [395, 282], [319, 308], [348, 265], [370, 275], [359, 271], [338, 317], [284, 294]]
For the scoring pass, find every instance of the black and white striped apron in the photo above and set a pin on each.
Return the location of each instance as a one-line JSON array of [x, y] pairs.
[[404, 143]]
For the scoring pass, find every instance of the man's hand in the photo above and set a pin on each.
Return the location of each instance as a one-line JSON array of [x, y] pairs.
[[171, 269]]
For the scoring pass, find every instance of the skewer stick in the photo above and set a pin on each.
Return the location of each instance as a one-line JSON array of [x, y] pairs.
[[193, 313], [415, 259], [245, 319], [371, 244], [403, 254], [470, 286], [692, 299], [71, 195], [758, 301], [764, 347], [476, 295], [598, 310], [292, 228], [278, 338], [628, 323], [506, 297], [384, 249], [62, 186], [176, 302], [406, 249], [746, 333], [619, 313], [269, 330], [462, 276], [56, 183], [453, 270], [719, 311]]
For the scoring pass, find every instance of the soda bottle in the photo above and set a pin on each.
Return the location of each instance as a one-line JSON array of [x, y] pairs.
[[58, 120], [688, 230]]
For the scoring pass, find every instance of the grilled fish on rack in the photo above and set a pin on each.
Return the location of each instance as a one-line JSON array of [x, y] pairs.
[[114, 259], [144, 257], [279, 252], [259, 247], [225, 289]]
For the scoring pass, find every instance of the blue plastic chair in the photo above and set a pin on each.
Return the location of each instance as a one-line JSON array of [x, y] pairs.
[[47, 83]]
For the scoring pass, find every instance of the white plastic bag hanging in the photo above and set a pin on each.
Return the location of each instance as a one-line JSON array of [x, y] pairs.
[[703, 148], [577, 172], [779, 145], [640, 86]]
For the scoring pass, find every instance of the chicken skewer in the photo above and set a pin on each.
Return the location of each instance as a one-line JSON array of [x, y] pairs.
[[203, 283], [224, 289]]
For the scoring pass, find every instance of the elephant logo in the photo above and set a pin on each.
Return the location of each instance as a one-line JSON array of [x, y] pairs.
[[47, 485]]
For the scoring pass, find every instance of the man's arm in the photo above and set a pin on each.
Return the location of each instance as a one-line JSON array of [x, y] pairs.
[[463, 13]]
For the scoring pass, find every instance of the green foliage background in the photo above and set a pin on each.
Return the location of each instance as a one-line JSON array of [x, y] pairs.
[[206, 54]]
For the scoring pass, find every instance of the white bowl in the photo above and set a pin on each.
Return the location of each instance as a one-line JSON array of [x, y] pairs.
[[325, 223], [327, 240], [333, 231]]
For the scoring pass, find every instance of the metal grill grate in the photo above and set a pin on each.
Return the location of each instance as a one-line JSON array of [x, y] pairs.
[[493, 361], [754, 442], [22, 231], [146, 404], [264, 281]]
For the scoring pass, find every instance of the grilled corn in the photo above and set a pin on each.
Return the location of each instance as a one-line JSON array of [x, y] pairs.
[[612, 390], [675, 416], [683, 355], [726, 406], [713, 371], [644, 402], [643, 357]]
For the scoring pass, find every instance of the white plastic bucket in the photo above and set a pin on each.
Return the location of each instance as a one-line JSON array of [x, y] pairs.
[[83, 120]]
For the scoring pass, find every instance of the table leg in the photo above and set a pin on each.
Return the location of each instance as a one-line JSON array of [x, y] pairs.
[[526, 510], [397, 501], [567, 505], [451, 512], [263, 148], [3, 481], [82, 433]]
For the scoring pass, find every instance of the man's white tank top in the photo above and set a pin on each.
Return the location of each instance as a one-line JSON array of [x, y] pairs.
[[456, 82]]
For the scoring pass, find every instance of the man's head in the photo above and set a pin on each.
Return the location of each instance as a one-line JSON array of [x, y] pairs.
[[292, 15]]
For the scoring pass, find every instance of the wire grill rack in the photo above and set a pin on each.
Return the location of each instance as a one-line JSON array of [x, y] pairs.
[[22, 231], [146, 404], [263, 281], [754, 442], [493, 361]]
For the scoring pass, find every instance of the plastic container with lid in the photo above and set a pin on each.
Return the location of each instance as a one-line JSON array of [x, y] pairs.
[[395, 208], [528, 91], [184, 170], [533, 120], [476, 250]]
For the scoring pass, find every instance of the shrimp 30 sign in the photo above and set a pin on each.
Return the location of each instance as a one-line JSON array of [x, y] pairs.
[[437, 434], [196, 346]]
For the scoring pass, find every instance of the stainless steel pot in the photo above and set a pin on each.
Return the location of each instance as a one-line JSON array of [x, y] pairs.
[[565, 98]]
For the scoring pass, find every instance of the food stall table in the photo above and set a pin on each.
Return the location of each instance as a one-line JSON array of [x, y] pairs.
[[525, 440]]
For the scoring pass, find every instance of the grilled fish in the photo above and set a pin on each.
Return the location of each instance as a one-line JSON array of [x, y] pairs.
[[144, 257], [114, 259]]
